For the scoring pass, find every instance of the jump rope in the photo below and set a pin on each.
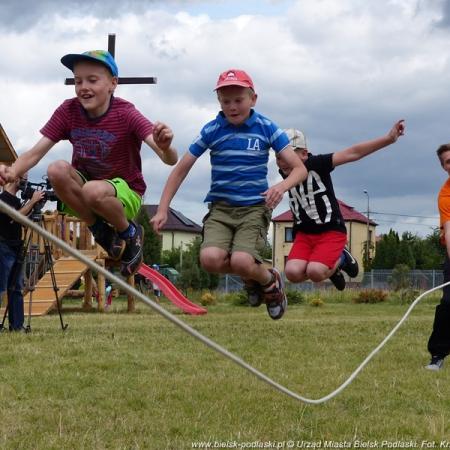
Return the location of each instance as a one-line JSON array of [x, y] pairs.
[[188, 329]]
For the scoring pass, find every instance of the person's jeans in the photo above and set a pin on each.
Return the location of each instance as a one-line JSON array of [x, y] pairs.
[[11, 281]]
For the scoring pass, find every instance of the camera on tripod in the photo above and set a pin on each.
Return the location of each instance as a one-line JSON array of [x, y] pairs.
[[28, 189]]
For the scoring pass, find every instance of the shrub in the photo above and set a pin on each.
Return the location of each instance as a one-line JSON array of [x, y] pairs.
[[405, 295], [207, 299], [317, 302], [370, 296], [238, 298], [295, 297]]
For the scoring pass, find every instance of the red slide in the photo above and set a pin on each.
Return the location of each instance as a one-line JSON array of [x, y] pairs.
[[170, 291]]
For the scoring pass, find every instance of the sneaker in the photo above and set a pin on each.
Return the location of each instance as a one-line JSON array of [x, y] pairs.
[[436, 363], [107, 237], [338, 280], [276, 301], [254, 292], [132, 256], [350, 265]]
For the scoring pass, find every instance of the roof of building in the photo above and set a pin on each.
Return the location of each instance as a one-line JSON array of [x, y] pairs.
[[176, 221], [7, 153], [348, 213]]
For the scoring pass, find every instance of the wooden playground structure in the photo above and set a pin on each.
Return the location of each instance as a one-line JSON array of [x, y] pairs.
[[68, 270]]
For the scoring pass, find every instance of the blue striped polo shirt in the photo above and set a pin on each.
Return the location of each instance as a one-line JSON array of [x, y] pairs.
[[239, 156]]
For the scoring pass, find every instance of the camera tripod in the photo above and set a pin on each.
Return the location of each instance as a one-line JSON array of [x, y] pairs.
[[30, 255]]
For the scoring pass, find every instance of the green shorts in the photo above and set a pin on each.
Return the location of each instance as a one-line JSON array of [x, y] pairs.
[[130, 199], [237, 228]]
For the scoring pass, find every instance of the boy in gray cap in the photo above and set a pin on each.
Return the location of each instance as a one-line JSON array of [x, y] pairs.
[[318, 251]]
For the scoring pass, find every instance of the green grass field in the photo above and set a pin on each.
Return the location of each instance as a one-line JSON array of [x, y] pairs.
[[136, 381]]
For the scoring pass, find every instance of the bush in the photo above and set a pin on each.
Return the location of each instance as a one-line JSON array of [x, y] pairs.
[[238, 298], [295, 297], [405, 295], [207, 299], [316, 302], [371, 296]]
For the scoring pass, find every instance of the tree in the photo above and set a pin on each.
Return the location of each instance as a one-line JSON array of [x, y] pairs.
[[192, 275], [152, 241], [410, 250]]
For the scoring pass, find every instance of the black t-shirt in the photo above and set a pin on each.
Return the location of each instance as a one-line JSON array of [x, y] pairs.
[[313, 203], [9, 229]]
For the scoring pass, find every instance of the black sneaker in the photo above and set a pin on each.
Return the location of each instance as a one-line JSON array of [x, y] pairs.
[[276, 301], [132, 256], [107, 237], [350, 266], [436, 363], [338, 280], [254, 291]]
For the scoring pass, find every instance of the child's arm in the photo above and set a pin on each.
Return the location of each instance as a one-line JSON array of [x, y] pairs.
[[25, 161], [298, 174], [363, 149], [174, 181], [160, 141]]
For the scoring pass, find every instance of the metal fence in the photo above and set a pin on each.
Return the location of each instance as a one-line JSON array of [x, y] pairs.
[[375, 279]]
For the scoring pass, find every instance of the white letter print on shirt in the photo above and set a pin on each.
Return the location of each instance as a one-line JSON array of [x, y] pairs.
[[308, 200], [255, 146]]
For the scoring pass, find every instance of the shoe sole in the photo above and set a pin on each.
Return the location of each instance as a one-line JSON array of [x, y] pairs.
[[284, 302], [122, 249]]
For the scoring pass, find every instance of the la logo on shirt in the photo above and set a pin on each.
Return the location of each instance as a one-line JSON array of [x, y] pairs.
[[253, 144]]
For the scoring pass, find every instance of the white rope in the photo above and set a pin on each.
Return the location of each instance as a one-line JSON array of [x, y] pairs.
[[167, 315]]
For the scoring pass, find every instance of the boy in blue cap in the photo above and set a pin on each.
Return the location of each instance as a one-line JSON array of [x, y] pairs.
[[103, 185]]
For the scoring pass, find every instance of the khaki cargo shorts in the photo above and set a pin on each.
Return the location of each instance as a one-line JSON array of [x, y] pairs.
[[237, 228]]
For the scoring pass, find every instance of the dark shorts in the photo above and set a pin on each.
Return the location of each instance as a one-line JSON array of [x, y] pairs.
[[237, 228]]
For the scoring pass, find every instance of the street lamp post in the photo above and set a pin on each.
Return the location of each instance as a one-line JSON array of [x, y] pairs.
[[368, 229]]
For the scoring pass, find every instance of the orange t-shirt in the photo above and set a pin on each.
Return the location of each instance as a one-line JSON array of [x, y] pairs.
[[444, 207]]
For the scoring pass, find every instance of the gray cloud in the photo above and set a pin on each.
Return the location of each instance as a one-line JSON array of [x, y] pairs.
[[341, 71]]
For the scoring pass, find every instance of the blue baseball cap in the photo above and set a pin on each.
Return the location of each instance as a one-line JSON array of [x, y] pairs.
[[100, 56]]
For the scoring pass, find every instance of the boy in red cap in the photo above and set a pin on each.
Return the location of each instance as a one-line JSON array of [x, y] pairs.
[[103, 185], [240, 201]]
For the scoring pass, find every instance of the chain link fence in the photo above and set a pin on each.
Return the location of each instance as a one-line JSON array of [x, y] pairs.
[[375, 279]]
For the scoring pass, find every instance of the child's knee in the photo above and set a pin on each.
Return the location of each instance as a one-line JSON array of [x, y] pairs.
[[58, 171], [213, 259]]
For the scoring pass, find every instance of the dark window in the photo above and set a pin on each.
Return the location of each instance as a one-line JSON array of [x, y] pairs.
[[288, 235]]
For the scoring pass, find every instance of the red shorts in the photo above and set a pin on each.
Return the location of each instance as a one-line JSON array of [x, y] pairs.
[[325, 247]]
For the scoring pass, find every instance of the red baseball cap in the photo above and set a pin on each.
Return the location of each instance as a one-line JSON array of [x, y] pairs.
[[234, 77]]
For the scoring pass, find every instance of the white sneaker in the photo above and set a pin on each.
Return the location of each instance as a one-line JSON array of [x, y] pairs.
[[436, 363]]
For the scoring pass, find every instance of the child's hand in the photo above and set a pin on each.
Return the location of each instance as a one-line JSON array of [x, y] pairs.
[[273, 196], [397, 130], [162, 135], [158, 221], [7, 174]]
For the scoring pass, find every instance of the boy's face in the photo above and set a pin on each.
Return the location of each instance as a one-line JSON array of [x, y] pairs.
[[302, 154], [94, 86], [445, 161], [236, 103]]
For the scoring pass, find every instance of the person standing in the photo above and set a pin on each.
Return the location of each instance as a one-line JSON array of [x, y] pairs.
[[439, 341], [11, 250]]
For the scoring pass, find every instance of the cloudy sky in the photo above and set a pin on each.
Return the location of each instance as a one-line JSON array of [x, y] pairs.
[[342, 71]]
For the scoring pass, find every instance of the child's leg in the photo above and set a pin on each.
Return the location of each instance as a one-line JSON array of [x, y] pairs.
[[215, 260], [295, 270], [299, 258], [245, 265], [67, 184], [325, 255], [100, 197]]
